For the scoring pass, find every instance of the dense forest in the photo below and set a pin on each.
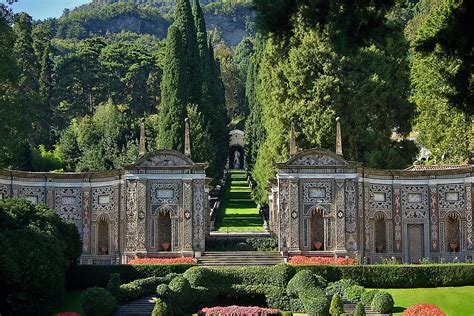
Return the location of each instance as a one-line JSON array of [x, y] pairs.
[[398, 73]]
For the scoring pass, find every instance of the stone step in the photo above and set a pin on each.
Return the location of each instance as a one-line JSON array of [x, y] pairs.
[[140, 307], [240, 258], [252, 254]]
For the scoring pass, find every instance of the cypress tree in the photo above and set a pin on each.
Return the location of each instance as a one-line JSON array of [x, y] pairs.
[[26, 59], [184, 21], [173, 95]]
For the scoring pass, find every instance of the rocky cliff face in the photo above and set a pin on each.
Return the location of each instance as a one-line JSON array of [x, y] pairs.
[[232, 26]]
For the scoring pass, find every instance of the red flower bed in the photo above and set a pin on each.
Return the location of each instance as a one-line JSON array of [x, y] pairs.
[[321, 260], [423, 310], [238, 311], [162, 260], [68, 314]]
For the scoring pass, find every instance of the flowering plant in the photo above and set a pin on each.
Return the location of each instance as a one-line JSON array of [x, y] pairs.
[[321, 260], [68, 314], [238, 311], [423, 310], [162, 260]]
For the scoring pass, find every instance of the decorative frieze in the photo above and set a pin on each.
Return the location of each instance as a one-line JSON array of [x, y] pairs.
[[317, 192], [452, 196], [380, 197], [35, 195], [68, 205], [415, 201]]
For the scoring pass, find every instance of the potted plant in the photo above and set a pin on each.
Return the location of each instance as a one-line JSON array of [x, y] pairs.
[[453, 245], [318, 245], [165, 246]]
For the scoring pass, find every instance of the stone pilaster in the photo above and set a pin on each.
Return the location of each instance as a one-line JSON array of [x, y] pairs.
[[187, 216], [294, 217], [340, 217]]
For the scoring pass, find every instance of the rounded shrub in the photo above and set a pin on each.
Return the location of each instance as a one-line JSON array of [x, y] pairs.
[[281, 274], [314, 301], [276, 298], [359, 309], [202, 276], [97, 301], [114, 285], [180, 285], [382, 302], [339, 287], [354, 292], [160, 309], [336, 308], [302, 280], [367, 297], [162, 290]]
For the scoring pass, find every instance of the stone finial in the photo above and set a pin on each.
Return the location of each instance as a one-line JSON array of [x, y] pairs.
[[187, 138], [141, 147], [338, 136], [292, 140]]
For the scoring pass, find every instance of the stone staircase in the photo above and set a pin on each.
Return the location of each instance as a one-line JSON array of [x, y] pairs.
[[240, 258], [140, 307]]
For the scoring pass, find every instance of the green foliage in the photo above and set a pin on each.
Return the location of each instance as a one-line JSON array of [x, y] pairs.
[[382, 302], [368, 296], [38, 246], [263, 243], [83, 276], [314, 302], [339, 287], [44, 160], [97, 301], [160, 309], [441, 76], [139, 288], [359, 309], [336, 308], [354, 293], [303, 280], [113, 286]]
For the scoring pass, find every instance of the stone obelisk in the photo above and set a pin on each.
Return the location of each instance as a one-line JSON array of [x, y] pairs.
[[338, 137], [142, 147]]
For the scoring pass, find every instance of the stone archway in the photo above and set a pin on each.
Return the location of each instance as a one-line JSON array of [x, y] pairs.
[[236, 149]]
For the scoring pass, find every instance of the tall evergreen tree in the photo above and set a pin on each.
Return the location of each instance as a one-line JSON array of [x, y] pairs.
[[173, 94]]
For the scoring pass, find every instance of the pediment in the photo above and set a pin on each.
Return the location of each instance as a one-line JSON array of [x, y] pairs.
[[316, 157], [163, 158]]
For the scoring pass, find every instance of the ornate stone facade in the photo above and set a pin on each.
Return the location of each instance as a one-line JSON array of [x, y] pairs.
[[120, 213], [372, 214]]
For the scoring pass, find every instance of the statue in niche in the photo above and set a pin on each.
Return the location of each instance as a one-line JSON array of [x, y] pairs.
[[236, 160]]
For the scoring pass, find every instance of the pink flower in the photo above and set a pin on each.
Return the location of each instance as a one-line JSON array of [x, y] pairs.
[[237, 311], [181, 260], [423, 310]]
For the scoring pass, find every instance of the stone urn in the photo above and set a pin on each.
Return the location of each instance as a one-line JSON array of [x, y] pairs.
[[165, 246], [318, 245], [379, 247], [453, 245]]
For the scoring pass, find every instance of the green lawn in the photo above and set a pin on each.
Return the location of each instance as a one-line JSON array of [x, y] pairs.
[[238, 211], [453, 301], [71, 303]]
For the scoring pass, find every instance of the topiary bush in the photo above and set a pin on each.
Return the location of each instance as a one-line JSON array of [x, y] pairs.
[[97, 301], [353, 293], [382, 302], [336, 308], [114, 285], [367, 297], [160, 309], [302, 280], [142, 287], [359, 309], [314, 302], [339, 287]]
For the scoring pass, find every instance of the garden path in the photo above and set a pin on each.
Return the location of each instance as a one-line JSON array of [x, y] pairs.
[[238, 212]]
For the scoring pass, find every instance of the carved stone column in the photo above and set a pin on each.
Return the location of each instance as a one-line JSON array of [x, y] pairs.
[[294, 217], [351, 215], [86, 221], [50, 197], [131, 217], [283, 204], [469, 216], [434, 217], [340, 217], [397, 216], [199, 215], [141, 220], [187, 216]]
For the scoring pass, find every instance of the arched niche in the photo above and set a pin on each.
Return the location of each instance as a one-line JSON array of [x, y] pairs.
[[103, 235], [317, 230], [453, 232], [163, 230], [380, 233]]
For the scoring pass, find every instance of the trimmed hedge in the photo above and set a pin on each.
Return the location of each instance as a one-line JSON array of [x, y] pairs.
[[97, 301], [242, 244], [82, 277], [354, 293], [141, 287], [398, 276]]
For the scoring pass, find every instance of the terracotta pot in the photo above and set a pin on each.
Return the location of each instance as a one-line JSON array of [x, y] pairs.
[[165, 246], [379, 247], [318, 245], [453, 245]]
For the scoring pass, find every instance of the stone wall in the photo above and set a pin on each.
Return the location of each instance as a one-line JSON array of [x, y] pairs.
[[421, 212]]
